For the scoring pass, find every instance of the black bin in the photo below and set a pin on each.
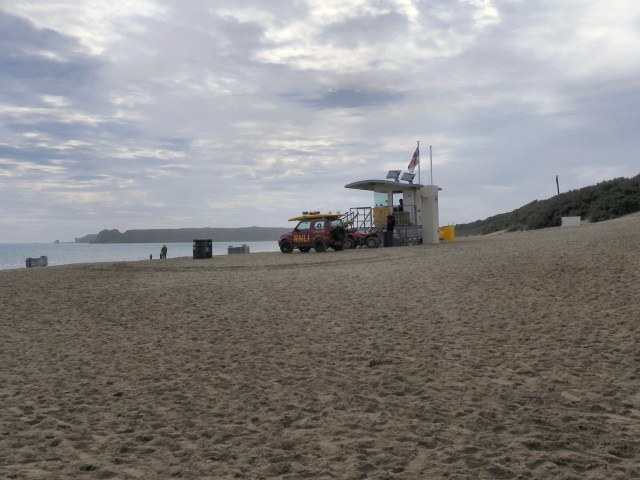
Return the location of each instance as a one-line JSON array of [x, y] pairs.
[[202, 249], [387, 239]]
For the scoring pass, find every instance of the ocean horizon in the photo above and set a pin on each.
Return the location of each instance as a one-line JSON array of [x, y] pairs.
[[14, 255]]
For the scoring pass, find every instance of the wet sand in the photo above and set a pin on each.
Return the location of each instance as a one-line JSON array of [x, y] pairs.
[[513, 355]]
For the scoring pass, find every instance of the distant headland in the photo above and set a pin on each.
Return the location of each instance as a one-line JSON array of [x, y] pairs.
[[178, 235]]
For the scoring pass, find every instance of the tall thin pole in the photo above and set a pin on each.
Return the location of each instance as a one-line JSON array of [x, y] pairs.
[[431, 164], [559, 207], [419, 162]]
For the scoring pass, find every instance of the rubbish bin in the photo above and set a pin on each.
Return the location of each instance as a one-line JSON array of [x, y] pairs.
[[202, 249], [387, 239]]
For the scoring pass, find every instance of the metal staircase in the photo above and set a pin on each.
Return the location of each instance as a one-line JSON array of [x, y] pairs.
[[361, 219]]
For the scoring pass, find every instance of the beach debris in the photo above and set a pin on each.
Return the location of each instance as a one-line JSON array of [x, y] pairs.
[[377, 362]]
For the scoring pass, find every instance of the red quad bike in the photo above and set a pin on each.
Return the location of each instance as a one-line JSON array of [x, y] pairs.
[[369, 240], [317, 231]]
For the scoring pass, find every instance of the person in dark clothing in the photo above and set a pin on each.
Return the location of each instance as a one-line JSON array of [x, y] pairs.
[[388, 235], [391, 222], [163, 252]]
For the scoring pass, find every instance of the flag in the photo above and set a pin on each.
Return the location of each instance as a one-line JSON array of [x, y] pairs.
[[415, 160]]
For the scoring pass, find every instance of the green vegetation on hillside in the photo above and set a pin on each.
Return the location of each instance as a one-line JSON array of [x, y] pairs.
[[604, 201]]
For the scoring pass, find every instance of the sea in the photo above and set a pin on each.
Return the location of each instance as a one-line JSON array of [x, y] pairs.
[[14, 255]]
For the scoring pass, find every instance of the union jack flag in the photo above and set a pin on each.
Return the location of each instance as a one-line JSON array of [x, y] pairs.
[[415, 160]]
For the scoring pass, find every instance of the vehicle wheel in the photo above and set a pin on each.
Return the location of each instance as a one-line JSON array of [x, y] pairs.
[[286, 247], [304, 249], [319, 245], [372, 242], [349, 244], [338, 233]]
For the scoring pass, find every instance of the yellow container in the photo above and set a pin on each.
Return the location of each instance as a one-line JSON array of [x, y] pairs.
[[380, 216], [447, 234]]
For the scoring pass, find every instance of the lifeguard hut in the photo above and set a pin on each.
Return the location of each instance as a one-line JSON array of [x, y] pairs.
[[413, 206]]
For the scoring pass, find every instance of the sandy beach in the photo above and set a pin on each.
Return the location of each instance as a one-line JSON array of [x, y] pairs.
[[513, 355]]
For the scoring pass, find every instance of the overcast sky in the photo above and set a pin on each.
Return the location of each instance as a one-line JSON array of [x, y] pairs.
[[233, 113]]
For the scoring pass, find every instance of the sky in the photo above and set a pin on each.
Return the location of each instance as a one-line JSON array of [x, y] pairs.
[[129, 114]]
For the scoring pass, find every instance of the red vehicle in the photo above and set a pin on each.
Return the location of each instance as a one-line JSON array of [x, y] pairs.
[[317, 231], [369, 240]]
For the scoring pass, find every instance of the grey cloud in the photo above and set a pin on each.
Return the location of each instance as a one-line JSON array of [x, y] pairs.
[[366, 29], [443, 15], [58, 129], [352, 98], [19, 34], [34, 154], [85, 178], [197, 38], [26, 67], [182, 122]]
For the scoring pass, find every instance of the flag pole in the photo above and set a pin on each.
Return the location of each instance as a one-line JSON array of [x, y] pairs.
[[559, 206], [419, 162], [431, 164]]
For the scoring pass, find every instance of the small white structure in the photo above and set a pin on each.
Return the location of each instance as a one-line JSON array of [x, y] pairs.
[[233, 250], [571, 221], [43, 261]]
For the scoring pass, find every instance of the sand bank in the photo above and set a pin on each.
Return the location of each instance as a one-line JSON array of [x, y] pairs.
[[510, 356]]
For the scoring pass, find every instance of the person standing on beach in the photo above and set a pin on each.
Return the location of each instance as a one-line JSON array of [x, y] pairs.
[[391, 222], [163, 252]]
